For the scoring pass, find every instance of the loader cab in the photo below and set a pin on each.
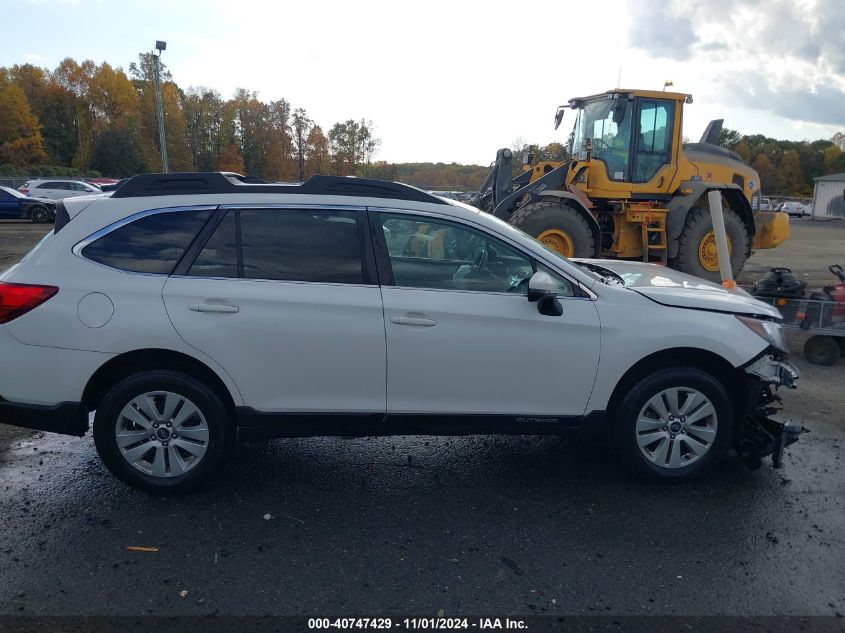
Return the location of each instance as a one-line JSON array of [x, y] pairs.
[[633, 136]]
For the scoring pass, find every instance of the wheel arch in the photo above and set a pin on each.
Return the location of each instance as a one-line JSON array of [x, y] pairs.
[[116, 369], [572, 201], [710, 362], [680, 206]]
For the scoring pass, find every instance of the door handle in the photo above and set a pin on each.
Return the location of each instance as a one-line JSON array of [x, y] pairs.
[[412, 320], [213, 307]]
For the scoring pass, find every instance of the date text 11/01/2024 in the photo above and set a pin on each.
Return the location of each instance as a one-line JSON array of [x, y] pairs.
[[413, 624]]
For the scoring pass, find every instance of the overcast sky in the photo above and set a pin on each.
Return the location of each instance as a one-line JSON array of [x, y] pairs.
[[454, 81]]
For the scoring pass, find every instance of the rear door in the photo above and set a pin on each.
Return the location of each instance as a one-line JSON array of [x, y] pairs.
[[285, 300], [55, 190], [462, 337]]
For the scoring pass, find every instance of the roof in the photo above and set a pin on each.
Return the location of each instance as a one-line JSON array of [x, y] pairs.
[[649, 94], [145, 185], [834, 177]]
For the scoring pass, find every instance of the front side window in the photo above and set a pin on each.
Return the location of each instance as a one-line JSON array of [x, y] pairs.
[[151, 244], [320, 246], [654, 147], [438, 254]]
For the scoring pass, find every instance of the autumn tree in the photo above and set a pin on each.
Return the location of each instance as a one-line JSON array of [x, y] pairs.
[[20, 132], [230, 159], [278, 162], [175, 128], [352, 143], [301, 129], [317, 151]]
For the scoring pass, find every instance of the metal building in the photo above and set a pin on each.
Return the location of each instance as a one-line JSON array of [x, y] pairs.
[[829, 197]]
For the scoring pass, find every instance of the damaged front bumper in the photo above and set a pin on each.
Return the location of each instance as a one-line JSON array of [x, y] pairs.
[[761, 435]]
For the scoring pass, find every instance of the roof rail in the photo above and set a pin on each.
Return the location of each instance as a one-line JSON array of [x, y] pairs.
[[216, 182]]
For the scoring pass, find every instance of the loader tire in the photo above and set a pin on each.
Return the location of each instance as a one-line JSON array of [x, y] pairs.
[[557, 226], [697, 245]]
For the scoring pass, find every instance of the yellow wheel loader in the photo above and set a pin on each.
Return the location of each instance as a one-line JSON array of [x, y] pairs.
[[634, 189]]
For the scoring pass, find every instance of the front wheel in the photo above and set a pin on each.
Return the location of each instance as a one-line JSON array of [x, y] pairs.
[[162, 431], [39, 215], [674, 424], [557, 226]]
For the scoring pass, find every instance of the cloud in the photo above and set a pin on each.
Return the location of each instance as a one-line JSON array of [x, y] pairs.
[[35, 57], [785, 56], [653, 29], [822, 104]]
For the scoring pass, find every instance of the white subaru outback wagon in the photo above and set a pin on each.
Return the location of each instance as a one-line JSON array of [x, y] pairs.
[[188, 310]]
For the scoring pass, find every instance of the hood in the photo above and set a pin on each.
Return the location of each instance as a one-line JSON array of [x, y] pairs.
[[674, 288], [38, 200]]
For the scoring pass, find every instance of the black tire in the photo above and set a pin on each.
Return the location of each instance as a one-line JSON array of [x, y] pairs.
[[822, 350], [39, 214], [697, 225], [626, 415], [546, 215], [220, 435]]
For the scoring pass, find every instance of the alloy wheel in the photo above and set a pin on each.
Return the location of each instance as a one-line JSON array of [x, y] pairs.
[[162, 434], [676, 427]]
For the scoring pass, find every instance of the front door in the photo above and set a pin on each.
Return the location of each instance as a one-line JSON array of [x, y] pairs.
[[9, 205], [462, 338], [282, 299], [654, 151]]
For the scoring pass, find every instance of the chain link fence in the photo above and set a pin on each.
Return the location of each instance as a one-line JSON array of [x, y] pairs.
[[13, 182]]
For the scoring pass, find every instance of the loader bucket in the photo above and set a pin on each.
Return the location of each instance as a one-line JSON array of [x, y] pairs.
[[772, 229]]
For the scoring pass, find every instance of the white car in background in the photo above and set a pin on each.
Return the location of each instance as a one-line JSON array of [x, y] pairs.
[[795, 209], [210, 307], [58, 188]]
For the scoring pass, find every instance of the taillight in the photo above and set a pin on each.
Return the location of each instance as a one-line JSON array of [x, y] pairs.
[[24, 191], [18, 299]]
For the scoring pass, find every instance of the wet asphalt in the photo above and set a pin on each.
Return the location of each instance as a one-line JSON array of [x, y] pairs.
[[473, 525]]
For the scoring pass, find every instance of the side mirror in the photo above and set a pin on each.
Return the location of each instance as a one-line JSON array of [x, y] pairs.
[[542, 290], [559, 116], [619, 111]]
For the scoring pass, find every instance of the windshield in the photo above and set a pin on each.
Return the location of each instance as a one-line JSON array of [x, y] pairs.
[[607, 123]]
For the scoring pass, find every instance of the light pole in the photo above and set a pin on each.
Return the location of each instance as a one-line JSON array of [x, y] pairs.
[[667, 84], [160, 47]]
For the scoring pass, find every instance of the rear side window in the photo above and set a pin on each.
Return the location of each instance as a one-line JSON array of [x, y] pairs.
[[316, 245], [219, 256], [152, 244]]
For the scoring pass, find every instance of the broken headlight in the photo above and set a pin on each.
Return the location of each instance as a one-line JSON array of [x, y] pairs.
[[769, 331]]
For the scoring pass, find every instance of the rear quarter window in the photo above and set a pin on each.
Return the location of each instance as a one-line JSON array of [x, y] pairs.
[[151, 244]]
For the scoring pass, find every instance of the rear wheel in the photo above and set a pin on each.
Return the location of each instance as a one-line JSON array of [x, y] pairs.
[[557, 226], [161, 431], [697, 252], [674, 424]]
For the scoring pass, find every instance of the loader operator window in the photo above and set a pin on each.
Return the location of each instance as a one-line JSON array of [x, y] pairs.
[[654, 146], [607, 123]]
